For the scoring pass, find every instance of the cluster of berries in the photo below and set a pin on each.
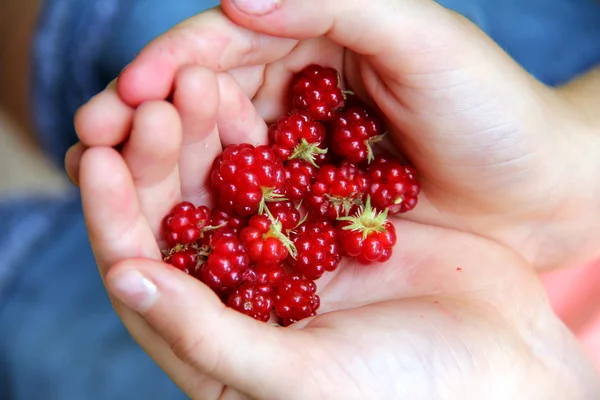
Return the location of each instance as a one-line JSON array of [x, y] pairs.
[[287, 213]]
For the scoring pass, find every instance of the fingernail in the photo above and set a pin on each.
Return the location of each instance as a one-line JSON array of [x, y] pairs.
[[134, 290], [256, 7]]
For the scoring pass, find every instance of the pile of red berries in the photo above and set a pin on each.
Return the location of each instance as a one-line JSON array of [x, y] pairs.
[[288, 212]]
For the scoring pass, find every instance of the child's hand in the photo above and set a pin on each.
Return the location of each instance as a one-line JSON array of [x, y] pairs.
[[450, 314], [499, 153]]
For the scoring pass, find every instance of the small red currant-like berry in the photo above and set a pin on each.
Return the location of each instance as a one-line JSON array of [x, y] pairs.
[[184, 223], [337, 191], [355, 132], [367, 236], [297, 136], [296, 299], [183, 258], [286, 213], [226, 265], [265, 241], [316, 90], [300, 175], [317, 247], [246, 178], [393, 186], [249, 300], [220, 217], [265, 277]]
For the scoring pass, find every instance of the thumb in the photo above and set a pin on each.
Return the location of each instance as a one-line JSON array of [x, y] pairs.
[[247, 355], [395, 30]]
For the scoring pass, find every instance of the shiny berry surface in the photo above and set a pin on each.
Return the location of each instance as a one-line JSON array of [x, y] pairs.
[[393, 186], [296, 299], [184, 223], [315, 90], [245, 177], [317, 249], [250, 300], [336, 190], [355, 131]]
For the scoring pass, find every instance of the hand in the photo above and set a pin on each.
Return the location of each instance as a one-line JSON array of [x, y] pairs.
[[451, 315], [494, 147]]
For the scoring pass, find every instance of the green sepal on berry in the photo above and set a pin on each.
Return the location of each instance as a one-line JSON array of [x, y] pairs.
[[307, 152], [367, 220], [269, 195]]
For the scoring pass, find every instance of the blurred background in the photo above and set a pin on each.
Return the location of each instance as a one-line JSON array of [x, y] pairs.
[[59, 338]]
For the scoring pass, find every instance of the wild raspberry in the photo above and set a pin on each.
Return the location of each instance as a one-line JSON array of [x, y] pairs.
[[286, 213], [220, 217], [246, 177], [249, 300], [317, 249], [183, 258], [299, 175], [265, 241], [336, 191], [355, 131], [296, 299], [226, 265], [265, 277], [393, 186], [296, 136], [183, 223], [368, 235], [316, 89]]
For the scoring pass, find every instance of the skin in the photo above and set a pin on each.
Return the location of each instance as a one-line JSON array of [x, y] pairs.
[[458, 312]]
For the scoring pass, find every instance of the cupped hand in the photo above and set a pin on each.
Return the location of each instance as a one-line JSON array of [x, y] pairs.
[[451, 315], [494, 147]]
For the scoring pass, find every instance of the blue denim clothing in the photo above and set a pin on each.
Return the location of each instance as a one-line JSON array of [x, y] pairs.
[[59, 338]]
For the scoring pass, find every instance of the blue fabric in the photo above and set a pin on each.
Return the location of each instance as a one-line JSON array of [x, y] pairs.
[[60, 338]]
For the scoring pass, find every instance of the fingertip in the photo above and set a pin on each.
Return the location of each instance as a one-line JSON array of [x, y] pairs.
[[104, 120], [195, 84], [145, 79], [73, 160], [101, 168]]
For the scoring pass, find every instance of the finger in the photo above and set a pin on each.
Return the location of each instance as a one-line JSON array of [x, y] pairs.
[[72, 161], [105, 120], [118, 230], [209, 39], [116, 226], [151, 154], [251, 356], [364, 26], [238, 119], [196, 98]]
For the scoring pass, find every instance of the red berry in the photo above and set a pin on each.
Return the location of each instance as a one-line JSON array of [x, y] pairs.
[[315, 89], [286, 213], [265, 241], [296, 299], [355, 131], [183, 258], [337, 191], [249, 300], [317, 249], [296, 136], [266, 277], [226, 265], [393, 186], [368, 235], [220, 217], [246, 177], [183, 223], [299, 175]]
